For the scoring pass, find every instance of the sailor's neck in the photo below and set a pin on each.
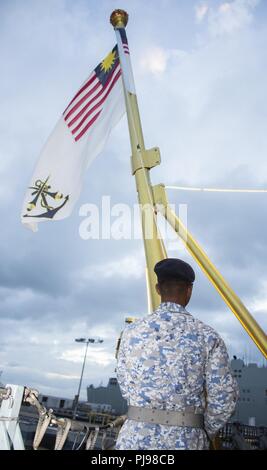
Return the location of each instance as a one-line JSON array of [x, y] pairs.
[[179, 302]]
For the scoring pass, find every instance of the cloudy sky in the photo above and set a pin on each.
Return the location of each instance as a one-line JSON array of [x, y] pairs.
[[200, 70]]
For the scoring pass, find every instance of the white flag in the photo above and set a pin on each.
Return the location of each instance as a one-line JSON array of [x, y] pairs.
[[77, 139]]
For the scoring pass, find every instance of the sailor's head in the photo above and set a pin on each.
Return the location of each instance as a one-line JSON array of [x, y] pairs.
[[175, 280]]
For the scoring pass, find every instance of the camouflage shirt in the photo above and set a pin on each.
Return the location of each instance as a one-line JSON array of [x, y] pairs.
[[171, 360]]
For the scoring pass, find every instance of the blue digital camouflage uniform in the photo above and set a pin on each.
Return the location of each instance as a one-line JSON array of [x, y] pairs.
[[171, 360]]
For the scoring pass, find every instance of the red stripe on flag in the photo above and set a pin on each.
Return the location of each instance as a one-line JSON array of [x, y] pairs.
[[96, 105], [84, 98], [82, 111], [86, 85], [87, 126]]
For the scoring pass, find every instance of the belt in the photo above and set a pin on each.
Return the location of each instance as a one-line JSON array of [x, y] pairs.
[[167, 417]]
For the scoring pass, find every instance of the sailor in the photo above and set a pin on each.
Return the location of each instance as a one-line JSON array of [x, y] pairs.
[[174, 371]]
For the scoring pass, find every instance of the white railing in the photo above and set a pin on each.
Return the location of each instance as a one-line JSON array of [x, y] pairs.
[[10, 433]]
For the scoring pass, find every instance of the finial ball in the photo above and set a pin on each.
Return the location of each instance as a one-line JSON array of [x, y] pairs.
[[119, 18]]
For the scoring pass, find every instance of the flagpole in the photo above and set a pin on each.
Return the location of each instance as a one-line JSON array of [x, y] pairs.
[[142, 161]]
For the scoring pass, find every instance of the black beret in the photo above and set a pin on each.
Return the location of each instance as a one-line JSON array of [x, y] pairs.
[[173, 268]]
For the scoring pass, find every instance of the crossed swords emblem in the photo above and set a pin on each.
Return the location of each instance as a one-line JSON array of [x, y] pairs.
[[41, 192]]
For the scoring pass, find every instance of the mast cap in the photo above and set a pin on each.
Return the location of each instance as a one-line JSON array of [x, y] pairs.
[[119, 18]]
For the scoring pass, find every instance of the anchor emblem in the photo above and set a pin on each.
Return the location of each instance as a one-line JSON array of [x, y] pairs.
[[41, 193]]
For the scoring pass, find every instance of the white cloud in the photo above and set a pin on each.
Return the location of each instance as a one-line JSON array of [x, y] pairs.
[[52, 365], [96, 356], [155, 59], [53, 375], [22, 296], [258, 304], [230, 17], [127, 267], [201, 11]]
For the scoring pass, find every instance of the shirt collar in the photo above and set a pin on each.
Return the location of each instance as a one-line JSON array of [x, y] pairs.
[[171, 307]]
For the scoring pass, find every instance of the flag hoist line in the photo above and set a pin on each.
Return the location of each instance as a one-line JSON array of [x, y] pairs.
[[142, 161]]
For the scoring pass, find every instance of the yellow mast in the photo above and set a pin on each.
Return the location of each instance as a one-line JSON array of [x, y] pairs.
[[142, 161]]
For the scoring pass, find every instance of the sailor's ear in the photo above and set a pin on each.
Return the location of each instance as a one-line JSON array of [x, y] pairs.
[[190, 289], [157, 289]]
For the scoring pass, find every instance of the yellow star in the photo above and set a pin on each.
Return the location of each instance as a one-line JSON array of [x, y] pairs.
[[108, 62]]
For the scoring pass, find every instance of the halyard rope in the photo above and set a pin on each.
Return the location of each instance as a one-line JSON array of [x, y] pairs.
[[217, 190]]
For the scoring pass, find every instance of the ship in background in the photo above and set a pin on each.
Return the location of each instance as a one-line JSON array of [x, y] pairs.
[[252, 403]]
